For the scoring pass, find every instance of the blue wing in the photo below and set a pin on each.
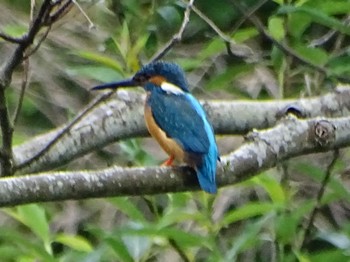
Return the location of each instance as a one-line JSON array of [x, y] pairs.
[[183, 119], [179, 118]]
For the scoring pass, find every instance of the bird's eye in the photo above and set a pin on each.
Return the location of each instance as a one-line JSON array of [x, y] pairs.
[[140, 79]]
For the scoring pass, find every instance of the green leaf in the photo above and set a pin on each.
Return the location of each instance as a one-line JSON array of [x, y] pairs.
[[134, 53], [298, 23], [212, 48], [14, 30], [99, 73], [183, 238], [178, 216], [8, 252], [316, 56], [245, 34], [334, 7], [223, 80], [272, 187], [335, 184], [137, 244], [317, 16], [24, 244], [128, 208], [100, 59], [34, 217], [189, 63], [169, 14], [75, 242], [119, 248], [340, 65], [248, 211], [288, 222], [329, 255], [247, 239], [276, 27]]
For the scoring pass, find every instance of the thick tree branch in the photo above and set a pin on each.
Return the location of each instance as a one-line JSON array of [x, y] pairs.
[[291, 137], [118, 119]]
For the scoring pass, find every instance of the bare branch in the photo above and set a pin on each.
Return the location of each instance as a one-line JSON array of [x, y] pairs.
[[64, 130], [306, 235], [329, 35], [23, 89], [16, 58], [91, 24], [6, 131], [118, 119], [11, 39], [248, 13], [42, 19], [292, 137], [57, 14], [41, 40], [237, 50]]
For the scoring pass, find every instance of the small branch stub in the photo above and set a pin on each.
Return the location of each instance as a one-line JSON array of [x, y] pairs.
[[324, 133]]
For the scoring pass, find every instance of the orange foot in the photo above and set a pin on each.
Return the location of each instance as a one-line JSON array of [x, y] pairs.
[[168, 162]]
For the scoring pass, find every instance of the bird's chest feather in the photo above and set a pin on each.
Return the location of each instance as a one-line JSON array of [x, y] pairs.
[[169, 145]]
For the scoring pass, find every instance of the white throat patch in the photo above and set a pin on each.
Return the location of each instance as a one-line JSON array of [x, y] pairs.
[[170, 88]]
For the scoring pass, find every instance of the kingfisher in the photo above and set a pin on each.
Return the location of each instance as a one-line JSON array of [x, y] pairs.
[[176, 119]]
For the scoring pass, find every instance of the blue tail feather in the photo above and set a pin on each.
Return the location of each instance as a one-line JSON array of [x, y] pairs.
[[206, 172]]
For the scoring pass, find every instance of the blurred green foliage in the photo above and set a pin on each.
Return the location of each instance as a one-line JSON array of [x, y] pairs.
[[261, 219]]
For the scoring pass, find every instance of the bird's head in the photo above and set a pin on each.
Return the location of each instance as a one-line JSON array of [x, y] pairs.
[[165, 75]]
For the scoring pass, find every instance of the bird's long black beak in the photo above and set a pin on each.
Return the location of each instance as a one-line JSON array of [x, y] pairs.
[[115, 85]]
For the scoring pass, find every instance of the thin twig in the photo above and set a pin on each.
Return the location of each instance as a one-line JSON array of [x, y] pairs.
[[42, 39], [7, 132], [285, 48], [64, 9], [64, 130], [7, 69], [320, 194], [17, 57], [182, 254], [23, 88], [91, 24], [178, 36], [234, 49], [326, 37], [211, 24], [154, 210], [261, 28], [11, 39], [248, 14], [32, 8]]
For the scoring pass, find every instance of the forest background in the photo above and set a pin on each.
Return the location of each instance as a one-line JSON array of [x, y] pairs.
[[80, 178]]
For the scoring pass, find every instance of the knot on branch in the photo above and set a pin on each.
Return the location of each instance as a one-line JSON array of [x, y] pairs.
[[324, 133], [293, 109]]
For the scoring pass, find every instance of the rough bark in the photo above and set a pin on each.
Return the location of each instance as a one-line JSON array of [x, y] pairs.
[[291, 137], [122, 117]]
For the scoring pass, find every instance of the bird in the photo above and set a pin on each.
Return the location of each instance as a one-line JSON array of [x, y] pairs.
[[176, 119]]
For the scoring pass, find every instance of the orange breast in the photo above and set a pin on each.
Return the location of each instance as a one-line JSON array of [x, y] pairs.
[[169, 145]]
